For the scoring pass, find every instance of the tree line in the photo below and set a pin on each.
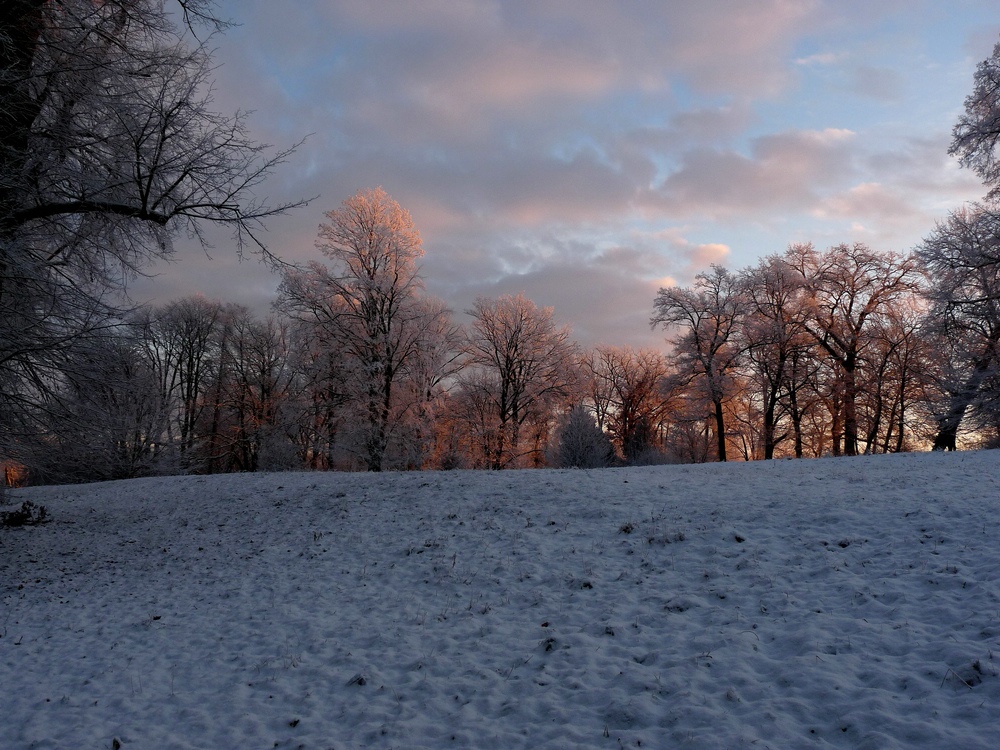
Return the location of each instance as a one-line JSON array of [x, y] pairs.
[[109, 148], [807, 353]]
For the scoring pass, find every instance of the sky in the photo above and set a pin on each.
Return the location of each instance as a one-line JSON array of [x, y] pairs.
[[587, 153]]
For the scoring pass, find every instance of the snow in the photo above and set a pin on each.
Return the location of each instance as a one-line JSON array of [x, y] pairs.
[[827, 603]]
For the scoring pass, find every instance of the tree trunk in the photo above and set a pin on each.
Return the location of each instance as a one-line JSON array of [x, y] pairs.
[[836, 428], [373, 452], [902, 427], [795, 414], [850, 411], [771, 404], [720, 429]]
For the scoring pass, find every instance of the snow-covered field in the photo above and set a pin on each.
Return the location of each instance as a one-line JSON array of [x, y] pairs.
[[832, 603]]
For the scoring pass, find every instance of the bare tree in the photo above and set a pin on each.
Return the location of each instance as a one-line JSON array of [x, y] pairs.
[[977, 134], [103, 419], [255, 391], [521, 365], [776, 342], [370, 305], [181, 343], [849, 287], [430, 373], [322, 393], [109, 148], [627, 389], [707, 316], [109, 122], [961, 258], [897, 367]]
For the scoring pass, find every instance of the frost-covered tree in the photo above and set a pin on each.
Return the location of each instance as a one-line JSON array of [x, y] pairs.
[[776, 343], [181, 341], [961, 258], [255, 386], [317, 413], [897, 372], [109, 147], [370, 304], [706, 317], [520, 366], [430, 373], [581, 444], [976, 136], [849, 288], [627, 389], [104, 419]]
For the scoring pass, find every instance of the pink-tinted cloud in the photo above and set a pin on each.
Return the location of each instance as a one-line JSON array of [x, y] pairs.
[[868, 200]]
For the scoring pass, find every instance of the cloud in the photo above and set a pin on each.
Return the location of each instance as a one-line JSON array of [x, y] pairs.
[[786, 171], [455, 68], [687, 258], [589, 152], [600, 306], [905, 190], [694, 127], [639, 42], [924, 169], [882, 84], [820, 59], [980, 43], [868, 200], [435, 16], [605, 290]]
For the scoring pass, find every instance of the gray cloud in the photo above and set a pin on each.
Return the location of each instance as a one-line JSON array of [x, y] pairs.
[[881, 84], [784, 172]]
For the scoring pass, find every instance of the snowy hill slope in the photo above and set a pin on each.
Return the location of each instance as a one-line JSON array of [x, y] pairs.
[[851, 603]]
